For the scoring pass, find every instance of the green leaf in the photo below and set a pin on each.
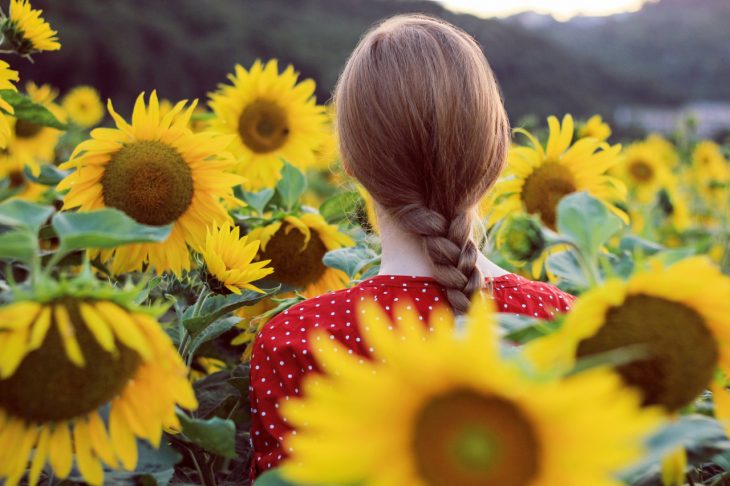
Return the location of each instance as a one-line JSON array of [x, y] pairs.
[[18, 244], [566, 267], [212, 331], [258, 200], [340, 206], [586, 221], [154, 466], [273, 477], [220, 305], [50, 175], [23, 214], [350, 260], [522, 329], [26, 109], [214, 435], [291, 186], [105, 228]]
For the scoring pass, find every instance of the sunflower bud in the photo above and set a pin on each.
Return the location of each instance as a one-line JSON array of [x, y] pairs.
[[520, 238]]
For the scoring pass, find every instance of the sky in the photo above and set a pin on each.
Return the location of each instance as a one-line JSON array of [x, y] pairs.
[[560, 9]]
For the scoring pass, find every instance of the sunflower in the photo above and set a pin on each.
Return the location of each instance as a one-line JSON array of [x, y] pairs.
[[644, 170], [12, 167], [84, 106], [596, 128], [35, 140], [25, 30], [669, 314], [273, 119], [296, 245], [438, 407], [7, 76], [666, 149], [158, 172], [537, 178], [228, 259], [710, 172], [91, 353]]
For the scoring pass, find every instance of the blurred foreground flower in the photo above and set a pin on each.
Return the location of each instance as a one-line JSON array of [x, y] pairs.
[[60, 361], [158, 172], [678, 318], [7, 77], [440, 407], [272, 117]]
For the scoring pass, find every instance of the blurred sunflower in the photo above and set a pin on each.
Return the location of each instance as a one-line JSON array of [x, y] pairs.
[[668, 313], [439, 407], [296, 245], [39, 141], [711, 172], [664, 148], [7, 76], [204, 366], [537, 178], [12, 167], [229, 260], [596, 128], [84, 106], [90, 353], [273, 118], [644, 170], [158, 172], [25, 30]]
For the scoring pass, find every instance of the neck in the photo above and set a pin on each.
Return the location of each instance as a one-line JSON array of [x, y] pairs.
[[403, 253]]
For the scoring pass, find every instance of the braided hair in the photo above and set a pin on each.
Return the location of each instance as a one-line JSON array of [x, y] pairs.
[[422, 126]]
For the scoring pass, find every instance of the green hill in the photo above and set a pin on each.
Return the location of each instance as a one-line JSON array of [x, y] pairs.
[[184, 48], [683, 45]]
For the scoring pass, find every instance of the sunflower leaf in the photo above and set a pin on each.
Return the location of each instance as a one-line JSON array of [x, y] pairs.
[[215, 307], [19, 244], [350, 260], [214, 435], [212, 331], [291, 186], [49, 175], [105, 228], [22, 214], [272, 477], [587, 222], [340, 206], [27, 110], [258, 200]]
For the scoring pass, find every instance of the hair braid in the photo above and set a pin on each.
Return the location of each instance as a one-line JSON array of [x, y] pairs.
[[451, 248]]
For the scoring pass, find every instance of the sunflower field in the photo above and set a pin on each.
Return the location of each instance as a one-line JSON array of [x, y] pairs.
[[142, 249]]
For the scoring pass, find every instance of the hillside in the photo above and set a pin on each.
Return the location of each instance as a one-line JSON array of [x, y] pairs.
[[184, 48], [682, 44]]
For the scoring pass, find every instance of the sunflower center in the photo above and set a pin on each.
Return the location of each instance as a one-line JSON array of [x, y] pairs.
[[150, 181], [16, 179], [263, 126], [641, 171], [465, 438], [682, 353], [47, 386], [293, 265], [544, 189], [26, 129]]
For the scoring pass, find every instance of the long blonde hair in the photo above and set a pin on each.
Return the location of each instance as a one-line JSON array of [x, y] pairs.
[[422, 126]]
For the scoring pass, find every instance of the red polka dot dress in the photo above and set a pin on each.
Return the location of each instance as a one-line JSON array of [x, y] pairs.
[[282, 355]]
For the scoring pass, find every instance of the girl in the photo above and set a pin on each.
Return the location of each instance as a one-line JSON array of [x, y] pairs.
[[422, 126]]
